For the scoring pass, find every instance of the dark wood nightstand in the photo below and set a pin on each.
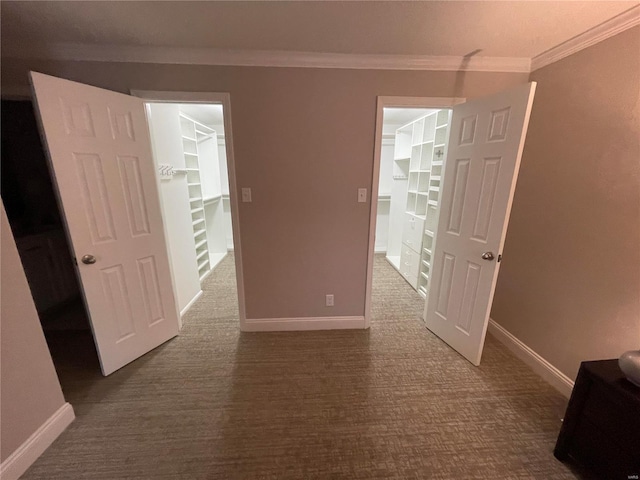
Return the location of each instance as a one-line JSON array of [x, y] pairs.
[[601, 428]]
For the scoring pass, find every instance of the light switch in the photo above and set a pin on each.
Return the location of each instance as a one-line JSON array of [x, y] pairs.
[[246, 195], [362, 195]]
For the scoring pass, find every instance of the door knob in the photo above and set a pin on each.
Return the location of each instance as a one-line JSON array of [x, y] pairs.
[[88, 259], [487, 256]]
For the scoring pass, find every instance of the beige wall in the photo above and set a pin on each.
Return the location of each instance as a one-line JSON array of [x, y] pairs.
[[304, 143], [29, 388], [569, 287]]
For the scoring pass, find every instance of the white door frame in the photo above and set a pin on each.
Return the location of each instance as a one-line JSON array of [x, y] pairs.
[[223, 99], [382, 103]]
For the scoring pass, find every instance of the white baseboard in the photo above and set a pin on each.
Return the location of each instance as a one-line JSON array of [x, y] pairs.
[[26, 454], [303, 323], [548, 372], [380, 249], [190, 304]]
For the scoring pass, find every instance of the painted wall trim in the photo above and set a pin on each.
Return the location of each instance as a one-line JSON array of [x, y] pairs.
[[609, 28], [302, 323], [542, 367], [190, 304], [264, 58], [26, 454]]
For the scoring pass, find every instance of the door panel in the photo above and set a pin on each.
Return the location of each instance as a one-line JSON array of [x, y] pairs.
[[485, 147], [101, 161]]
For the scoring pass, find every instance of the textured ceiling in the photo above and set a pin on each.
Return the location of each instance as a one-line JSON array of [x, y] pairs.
[[502, 29]]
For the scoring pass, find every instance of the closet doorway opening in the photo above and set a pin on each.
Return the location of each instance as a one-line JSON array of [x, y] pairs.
[[190, 148], [411, 162], [454, 171]]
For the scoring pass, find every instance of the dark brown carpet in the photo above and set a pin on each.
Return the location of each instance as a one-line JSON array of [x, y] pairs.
[[390, 402]]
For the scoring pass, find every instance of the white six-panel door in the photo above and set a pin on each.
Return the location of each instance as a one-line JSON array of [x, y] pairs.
[[485, 146], [99, 149]]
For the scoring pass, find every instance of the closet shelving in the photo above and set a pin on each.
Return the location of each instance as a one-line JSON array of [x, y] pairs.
[[420, 148], [194, 132]]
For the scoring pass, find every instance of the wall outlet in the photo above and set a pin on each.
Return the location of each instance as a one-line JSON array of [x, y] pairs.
[[362, 195], [246, 195], [329, 300]]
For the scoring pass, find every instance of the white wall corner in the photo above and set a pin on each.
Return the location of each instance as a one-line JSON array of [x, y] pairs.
[[539, 365], [611, 27], [26, 454], [302, 324]]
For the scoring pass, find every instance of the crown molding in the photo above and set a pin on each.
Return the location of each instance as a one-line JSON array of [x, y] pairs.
[[292, 59], [609, 28], [264, 58]]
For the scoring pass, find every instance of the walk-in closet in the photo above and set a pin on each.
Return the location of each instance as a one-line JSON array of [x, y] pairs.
[[411, 165], [189, 150]]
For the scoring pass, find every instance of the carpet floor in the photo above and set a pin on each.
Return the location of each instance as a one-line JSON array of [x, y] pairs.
[[391, 402]]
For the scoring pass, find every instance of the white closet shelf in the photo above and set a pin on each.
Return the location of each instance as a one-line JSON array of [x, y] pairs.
[[426, 250], [191, 154], [196, 210], [435, 177], [384, 196], [400, 177], [426, 264], [212, 199], [193, 184], [434, 189], [202, 254], [195, 199], [433, 203], [438, 145], [201, 243], [428, 233], [424, 275], [198, 125], [192, 169], [199, 232], [196, 222], [423, 291], [203, 263], [400, 159], [189, 138]]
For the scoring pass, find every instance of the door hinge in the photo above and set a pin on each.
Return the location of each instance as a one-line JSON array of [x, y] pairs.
[[499, 257], [75, 261]]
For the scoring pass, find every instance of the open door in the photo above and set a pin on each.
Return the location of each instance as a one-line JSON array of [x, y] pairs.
[[485, 147], [100, 155]]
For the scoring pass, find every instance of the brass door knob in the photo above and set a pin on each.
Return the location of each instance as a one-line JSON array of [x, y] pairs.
[[88, 259]]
